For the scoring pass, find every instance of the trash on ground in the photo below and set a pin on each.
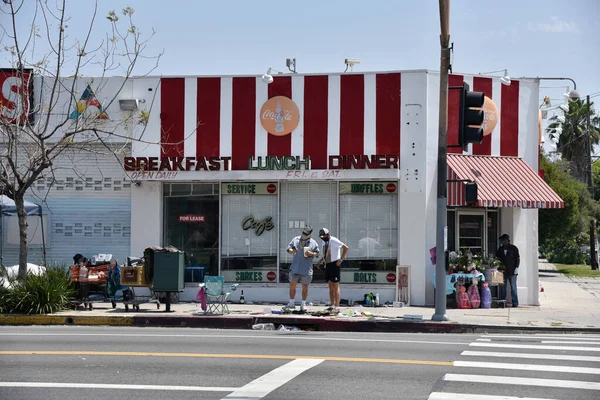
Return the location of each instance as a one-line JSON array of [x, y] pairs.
[[288, 328], [264, 327], [414, 317]]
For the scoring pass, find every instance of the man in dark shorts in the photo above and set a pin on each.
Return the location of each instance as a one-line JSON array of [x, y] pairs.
[[334, 252]]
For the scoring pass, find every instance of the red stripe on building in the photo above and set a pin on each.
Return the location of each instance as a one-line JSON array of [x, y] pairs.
[[280, 145], [208, 111], [172, 114], [484, 85], [509, 120], [453, 110], [316, 89], [243, 126], [352, 114], [388, 102]]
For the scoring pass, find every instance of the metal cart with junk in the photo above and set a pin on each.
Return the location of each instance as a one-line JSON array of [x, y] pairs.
[[90, 280], [131, 276]]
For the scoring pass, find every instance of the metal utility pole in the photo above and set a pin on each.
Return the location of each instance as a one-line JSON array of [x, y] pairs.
[[441, 237], [593, 256]]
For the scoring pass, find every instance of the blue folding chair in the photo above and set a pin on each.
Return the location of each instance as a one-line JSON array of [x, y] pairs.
[[216, 294]]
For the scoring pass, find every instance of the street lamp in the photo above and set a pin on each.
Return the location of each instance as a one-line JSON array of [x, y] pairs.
[[573, 95]]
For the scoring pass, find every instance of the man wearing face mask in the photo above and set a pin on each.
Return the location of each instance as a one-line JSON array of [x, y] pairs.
[[509, 255], [334, 253], [304, 249]]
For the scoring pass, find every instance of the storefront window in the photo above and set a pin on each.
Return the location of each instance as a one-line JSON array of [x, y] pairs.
[[313, 204], [249, 232], [369, 226], [192, 225]]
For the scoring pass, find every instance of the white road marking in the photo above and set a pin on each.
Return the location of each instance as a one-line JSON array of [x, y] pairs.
[[530, 355], [297, 336], [565, 342], [532, 346], [467, 396], [262, 386], [577, 336], [483, 340], [115, 386], [515, 380], [527, 367]]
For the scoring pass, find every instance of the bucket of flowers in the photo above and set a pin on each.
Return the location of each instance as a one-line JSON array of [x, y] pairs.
[[465, 263]]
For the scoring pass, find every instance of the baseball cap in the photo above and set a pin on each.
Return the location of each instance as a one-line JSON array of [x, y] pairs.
[[505, 237], [323, 232]]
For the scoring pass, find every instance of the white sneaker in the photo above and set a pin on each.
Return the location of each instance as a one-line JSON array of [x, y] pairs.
[[291, 306], [302, 308]]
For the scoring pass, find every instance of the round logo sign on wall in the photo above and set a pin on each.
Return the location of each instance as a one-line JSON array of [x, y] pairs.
[[390, 187], [391, 277], [279, 116], [271, 188], [271, 275]]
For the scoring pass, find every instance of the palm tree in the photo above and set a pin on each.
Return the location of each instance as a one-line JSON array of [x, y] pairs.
[[569, 131]]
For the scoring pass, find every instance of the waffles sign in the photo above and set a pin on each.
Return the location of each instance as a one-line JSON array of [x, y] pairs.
[[279, 116]]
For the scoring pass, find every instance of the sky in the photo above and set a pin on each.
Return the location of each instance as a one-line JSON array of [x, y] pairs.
[[530, 38]]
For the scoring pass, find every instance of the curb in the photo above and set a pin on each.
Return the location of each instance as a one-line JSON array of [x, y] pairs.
[[304, 323]]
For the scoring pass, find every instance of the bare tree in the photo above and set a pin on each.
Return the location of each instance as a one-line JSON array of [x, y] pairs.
[[48, 108]]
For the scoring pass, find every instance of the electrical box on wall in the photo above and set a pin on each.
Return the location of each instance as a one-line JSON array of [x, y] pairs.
[[169, 272]]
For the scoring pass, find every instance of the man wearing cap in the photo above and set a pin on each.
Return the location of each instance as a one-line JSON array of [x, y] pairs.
[[304, 249], [334, 252], [509, 255]]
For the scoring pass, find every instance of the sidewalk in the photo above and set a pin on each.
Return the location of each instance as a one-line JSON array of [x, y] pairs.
[[566, 305]]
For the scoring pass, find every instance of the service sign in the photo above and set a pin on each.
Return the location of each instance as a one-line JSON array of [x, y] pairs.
[[250, 275], [379, 277], [372, 187], [249, 188]]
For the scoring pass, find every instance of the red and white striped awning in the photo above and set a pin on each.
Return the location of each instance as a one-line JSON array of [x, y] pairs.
[[501, 182]]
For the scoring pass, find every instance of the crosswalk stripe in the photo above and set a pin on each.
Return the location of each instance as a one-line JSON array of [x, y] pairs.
[[468, 396], [563, 357], [514, 380], [527, 367], [566, 342], [532, 346], [560, 336]]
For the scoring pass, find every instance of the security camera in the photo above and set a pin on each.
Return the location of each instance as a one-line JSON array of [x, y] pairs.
[[351, 61]]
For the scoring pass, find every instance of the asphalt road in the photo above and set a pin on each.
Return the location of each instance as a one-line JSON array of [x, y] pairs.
[[143, 363]]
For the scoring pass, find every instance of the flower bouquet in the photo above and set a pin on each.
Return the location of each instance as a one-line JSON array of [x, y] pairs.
[[465, 263]]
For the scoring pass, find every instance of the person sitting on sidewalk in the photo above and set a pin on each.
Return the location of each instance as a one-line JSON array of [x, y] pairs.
[[304, 249]]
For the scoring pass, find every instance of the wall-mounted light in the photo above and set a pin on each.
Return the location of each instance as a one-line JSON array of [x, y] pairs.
[[505, 79], [268, 78]]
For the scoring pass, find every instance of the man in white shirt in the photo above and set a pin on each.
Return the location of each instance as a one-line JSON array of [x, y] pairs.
[[334, 252]]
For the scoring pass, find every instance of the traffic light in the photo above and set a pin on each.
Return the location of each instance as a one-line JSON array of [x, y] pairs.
[[470, 118], [471, 193]]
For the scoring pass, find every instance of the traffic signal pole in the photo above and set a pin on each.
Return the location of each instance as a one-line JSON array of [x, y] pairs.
[[441, 229]]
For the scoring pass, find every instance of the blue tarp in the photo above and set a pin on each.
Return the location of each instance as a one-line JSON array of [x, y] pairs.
[[8, 207]]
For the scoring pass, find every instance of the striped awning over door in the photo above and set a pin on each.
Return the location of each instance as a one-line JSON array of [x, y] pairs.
[[501, 182]]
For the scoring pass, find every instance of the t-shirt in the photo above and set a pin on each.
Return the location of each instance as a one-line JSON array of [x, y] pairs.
[[303, 265], [334, 247]]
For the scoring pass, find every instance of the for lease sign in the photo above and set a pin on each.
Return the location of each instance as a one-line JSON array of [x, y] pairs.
[[191, 218]]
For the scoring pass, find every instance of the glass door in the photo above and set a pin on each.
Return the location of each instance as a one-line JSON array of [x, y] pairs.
[[471, 232]]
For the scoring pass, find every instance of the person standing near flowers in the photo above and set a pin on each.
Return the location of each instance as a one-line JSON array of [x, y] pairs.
[[509, 255]]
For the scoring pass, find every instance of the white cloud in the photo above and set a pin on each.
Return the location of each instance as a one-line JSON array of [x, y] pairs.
[[555, 25]]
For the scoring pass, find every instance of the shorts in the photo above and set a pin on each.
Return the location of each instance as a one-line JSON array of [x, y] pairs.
[[303, 279], [332, 272]]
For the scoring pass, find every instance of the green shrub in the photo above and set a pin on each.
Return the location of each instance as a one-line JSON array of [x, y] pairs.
[[565, 252], [38, 294]]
